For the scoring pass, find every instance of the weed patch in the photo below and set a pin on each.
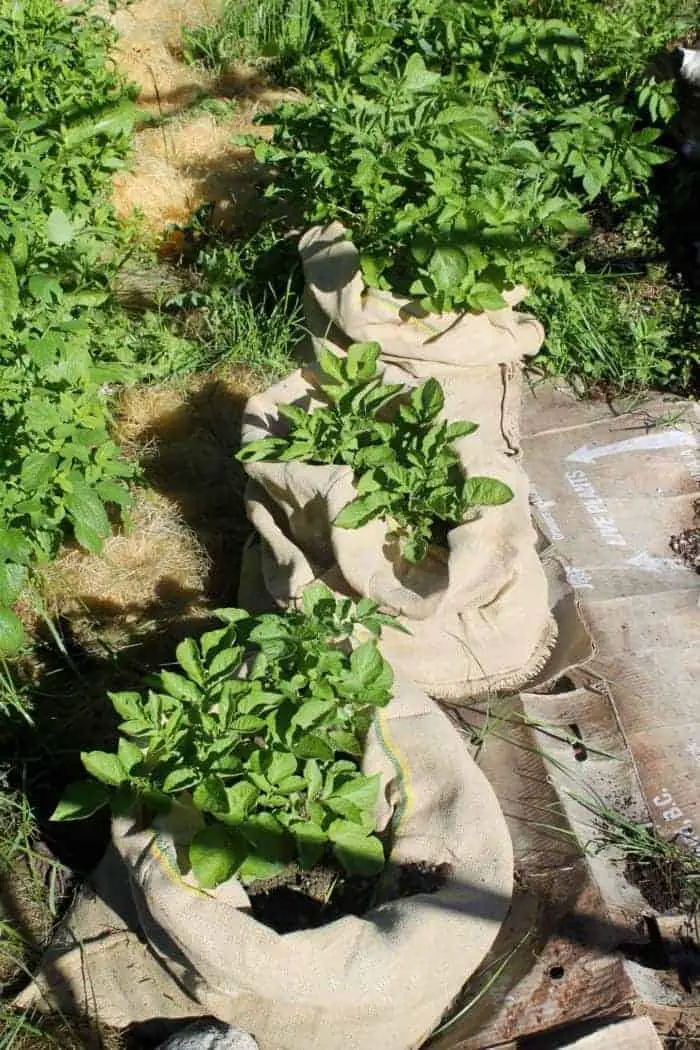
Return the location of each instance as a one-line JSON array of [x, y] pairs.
[[226, 322], [276, 30], [666, 870]]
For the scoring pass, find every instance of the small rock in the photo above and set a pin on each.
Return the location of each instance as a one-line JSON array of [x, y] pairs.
[[209, 1035], [690, 65]]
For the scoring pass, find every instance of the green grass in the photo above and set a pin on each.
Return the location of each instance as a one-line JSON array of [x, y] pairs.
[[668, 865], [231, 331], [16, 1027], [620, 332], [243, 306], [281, 34], [23, 1031], [235, 303], [32, 888], [221, 109], [248, 31], [15, 697], [18, 843]]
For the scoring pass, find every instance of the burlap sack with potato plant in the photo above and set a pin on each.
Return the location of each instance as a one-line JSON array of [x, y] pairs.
[[477, 612], [356, 983], [476, 357]]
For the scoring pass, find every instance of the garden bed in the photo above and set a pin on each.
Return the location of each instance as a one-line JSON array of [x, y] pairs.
[[168, 376]]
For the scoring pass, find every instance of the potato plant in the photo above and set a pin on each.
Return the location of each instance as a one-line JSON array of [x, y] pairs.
[[463, 145], [449, 200], [406, 469], [260, 732]]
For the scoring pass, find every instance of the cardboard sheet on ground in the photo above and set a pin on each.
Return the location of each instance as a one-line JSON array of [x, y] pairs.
[[609, 488], [570, 950], [636, 1034]]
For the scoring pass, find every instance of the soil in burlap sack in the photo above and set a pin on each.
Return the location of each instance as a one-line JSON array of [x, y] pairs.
[[475, 357]]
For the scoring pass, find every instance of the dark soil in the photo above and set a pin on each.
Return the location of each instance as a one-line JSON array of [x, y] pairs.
[[661, 881], [304, 900], [687, 543]]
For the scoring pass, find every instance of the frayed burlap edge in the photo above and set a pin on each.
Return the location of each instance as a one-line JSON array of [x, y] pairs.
[[479, 688]]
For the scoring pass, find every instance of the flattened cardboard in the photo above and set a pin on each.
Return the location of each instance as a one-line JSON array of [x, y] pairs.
[[610, 485], [637, 1033], [559, 951]]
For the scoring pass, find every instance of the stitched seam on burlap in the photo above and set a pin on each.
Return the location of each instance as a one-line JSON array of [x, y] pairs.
[[161, 854], [400, 766]]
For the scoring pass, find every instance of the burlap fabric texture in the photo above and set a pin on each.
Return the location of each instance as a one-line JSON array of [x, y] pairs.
[[475, 357], [356, 983], [480, 609]]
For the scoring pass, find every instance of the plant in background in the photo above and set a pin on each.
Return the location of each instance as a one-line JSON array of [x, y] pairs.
[[280, 33], [461, 145], [602, 330], [243, 305], [259, 734], [406, 469], [66, 117], [65, 123], [666, 868], [445, 203], [471, 146], [268, 29]]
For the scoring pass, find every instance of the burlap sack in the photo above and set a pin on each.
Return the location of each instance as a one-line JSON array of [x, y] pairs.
[[476, 357], [480, 611], [383, 980]]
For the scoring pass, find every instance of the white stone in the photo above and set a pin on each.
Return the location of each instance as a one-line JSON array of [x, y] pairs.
[[209, 1035], [690, 66]]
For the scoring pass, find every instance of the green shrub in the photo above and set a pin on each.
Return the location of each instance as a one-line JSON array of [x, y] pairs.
[[261, 732], [471, 146], [65, 123], [462, 147]]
